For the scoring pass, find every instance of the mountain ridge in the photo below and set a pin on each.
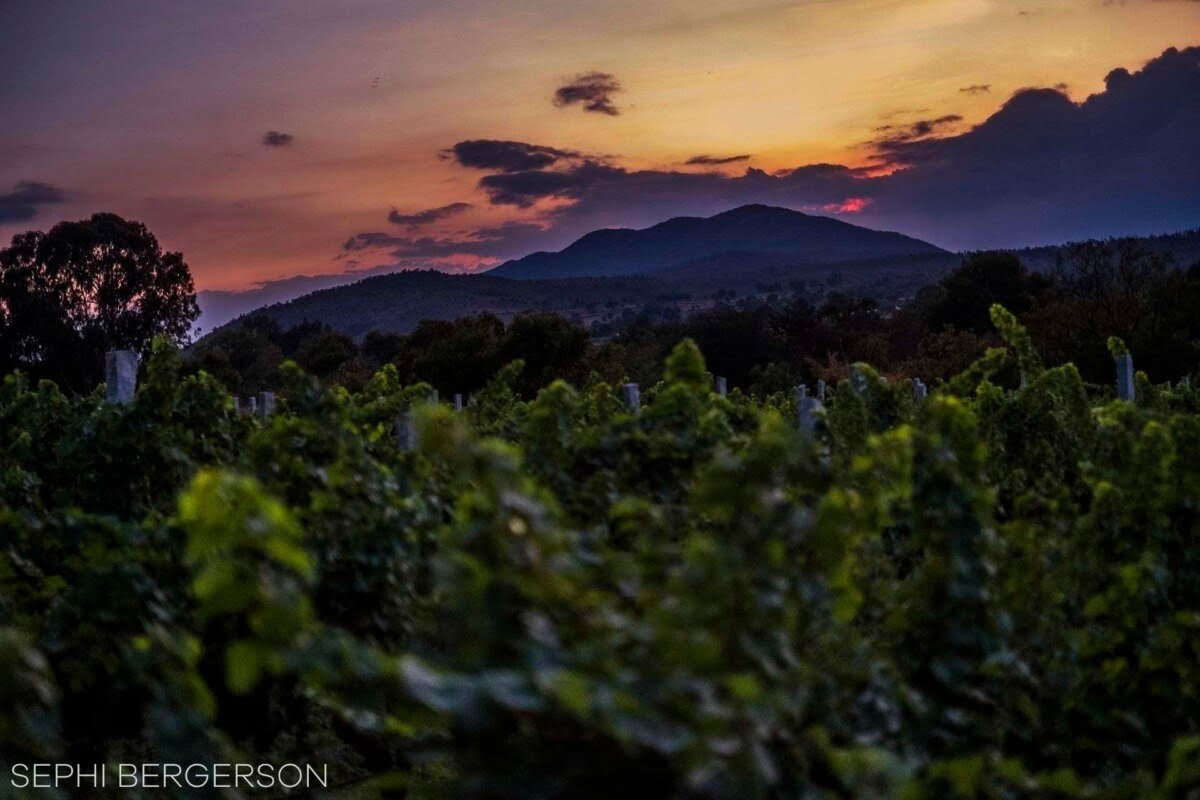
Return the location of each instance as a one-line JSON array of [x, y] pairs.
[[748, 229], [397, 301]]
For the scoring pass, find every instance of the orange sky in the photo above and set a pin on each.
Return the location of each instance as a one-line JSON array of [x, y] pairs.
[[159, 114]]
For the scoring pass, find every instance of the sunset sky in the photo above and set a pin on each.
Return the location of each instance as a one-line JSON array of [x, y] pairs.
[[272, 138]]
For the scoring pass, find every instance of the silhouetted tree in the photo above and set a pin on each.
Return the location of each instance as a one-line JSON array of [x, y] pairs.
[[322, 353], [458, 356], [244, 357], [85, 287], [382, 348], [1113, 288], [551, 347], [1113, 277], [733, 341], [852, 321], [962, 299]]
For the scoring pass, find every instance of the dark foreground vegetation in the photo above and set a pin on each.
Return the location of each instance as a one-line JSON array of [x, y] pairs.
[[989, 592]]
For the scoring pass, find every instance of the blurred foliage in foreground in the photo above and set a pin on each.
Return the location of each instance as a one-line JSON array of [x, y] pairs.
[[992, 593]]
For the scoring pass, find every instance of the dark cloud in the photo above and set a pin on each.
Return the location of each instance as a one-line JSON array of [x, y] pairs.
[[428, 215], [408, 247], [419, 247], [1044, 168], [372, 239], [976, 88], [706, 160], [893, 135], [277, 139], [505, 156], [486, 242], [505, 232], [26, 198], [523, 189], [592, 90]]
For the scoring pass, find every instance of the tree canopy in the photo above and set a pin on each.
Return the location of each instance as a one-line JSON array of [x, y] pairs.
[[85, 287]]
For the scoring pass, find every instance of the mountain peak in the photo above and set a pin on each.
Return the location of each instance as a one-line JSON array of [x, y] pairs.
[[755, 232], [753, 210]]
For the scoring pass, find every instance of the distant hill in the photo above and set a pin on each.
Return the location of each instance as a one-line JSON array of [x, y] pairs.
[[1182, 247], [757, 234], [218, 307], [735, 270], [886, 266], [398, 301]]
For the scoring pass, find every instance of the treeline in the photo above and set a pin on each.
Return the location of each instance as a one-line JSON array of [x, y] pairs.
[[769, 343], [458, 356]]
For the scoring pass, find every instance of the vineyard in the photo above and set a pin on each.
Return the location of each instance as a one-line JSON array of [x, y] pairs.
[[992, 591]]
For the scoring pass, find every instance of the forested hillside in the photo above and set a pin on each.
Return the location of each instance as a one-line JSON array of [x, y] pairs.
[[768, 342], [1182, 248], [398, 302]]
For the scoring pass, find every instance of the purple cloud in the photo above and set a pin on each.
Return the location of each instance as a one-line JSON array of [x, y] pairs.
[[713, 161], [592, 90], [427, 216], [277, 139], [505, 156], [26, 198]]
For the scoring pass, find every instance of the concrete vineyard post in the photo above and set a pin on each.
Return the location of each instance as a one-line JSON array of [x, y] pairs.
[[1125, 384], [632, 396], [858, 380], [120, 376], [406, 434], [806, 407]]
